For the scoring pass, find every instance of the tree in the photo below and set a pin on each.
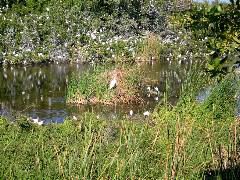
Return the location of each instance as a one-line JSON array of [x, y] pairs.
[[237, 3]]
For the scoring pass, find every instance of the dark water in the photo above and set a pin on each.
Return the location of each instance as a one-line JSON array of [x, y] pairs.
[[40, 91]]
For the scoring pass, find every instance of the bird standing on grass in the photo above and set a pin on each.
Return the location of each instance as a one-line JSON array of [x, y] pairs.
[[113, 83]]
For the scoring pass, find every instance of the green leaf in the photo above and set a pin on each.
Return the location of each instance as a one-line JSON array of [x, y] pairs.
[[219, 8], [210, 67], [236, 39]]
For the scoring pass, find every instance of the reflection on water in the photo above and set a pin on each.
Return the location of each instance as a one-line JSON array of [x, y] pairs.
[[39, 91]]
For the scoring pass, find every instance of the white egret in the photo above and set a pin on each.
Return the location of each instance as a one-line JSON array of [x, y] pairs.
[[36, 121], [146, 113], [131, 112], [113, 83], [156, 89], [40, 123], [74, 118], [149, 88], [5, 75]]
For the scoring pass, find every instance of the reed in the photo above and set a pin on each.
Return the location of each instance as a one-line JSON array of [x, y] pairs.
[[185, 141]]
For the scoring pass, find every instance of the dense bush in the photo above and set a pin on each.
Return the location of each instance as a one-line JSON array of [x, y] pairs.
[[218, 25], [34, 31]]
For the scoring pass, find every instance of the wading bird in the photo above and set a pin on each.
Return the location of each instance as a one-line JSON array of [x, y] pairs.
[[146, 113], [131, 112], [36, 121], [113, 83]]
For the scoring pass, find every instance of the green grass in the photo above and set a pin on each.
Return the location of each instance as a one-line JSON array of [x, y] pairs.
[[87, 85], [93, 85], [86, 149], [179, 142], [201, 136]]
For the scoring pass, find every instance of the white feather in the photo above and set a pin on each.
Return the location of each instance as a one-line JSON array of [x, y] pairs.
[[35, 120]]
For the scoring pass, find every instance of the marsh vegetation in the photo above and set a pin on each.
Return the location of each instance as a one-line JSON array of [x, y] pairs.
[[173, 66]]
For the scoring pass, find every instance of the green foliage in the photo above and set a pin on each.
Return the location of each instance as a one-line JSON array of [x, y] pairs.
[[222, 101], [88, 85], [93, 85], [219, 25], [36, 31], [85, 149], [198, 134], [182, 142]]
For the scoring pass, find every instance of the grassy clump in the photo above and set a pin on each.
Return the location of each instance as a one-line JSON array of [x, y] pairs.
[[186, 141], [93, 86], [150, 48], [86, 149], [202, 137], [223, 98]]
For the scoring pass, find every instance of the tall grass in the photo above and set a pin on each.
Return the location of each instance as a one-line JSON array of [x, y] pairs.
[[187, 141], [87, 85], [93, 85], [150, 49], [200, 137], [87, 149]]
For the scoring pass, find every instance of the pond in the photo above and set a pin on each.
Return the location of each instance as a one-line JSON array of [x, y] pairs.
[[39, 91]]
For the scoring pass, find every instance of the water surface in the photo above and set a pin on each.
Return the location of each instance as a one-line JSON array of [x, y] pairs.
[[40, 91]]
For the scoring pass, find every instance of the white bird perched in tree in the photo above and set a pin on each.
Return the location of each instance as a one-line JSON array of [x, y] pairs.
[[74, 118], [146, 113], [113, 83], [131, 112]]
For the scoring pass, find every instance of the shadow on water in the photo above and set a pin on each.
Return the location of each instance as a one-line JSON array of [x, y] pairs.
[[40, 91]]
